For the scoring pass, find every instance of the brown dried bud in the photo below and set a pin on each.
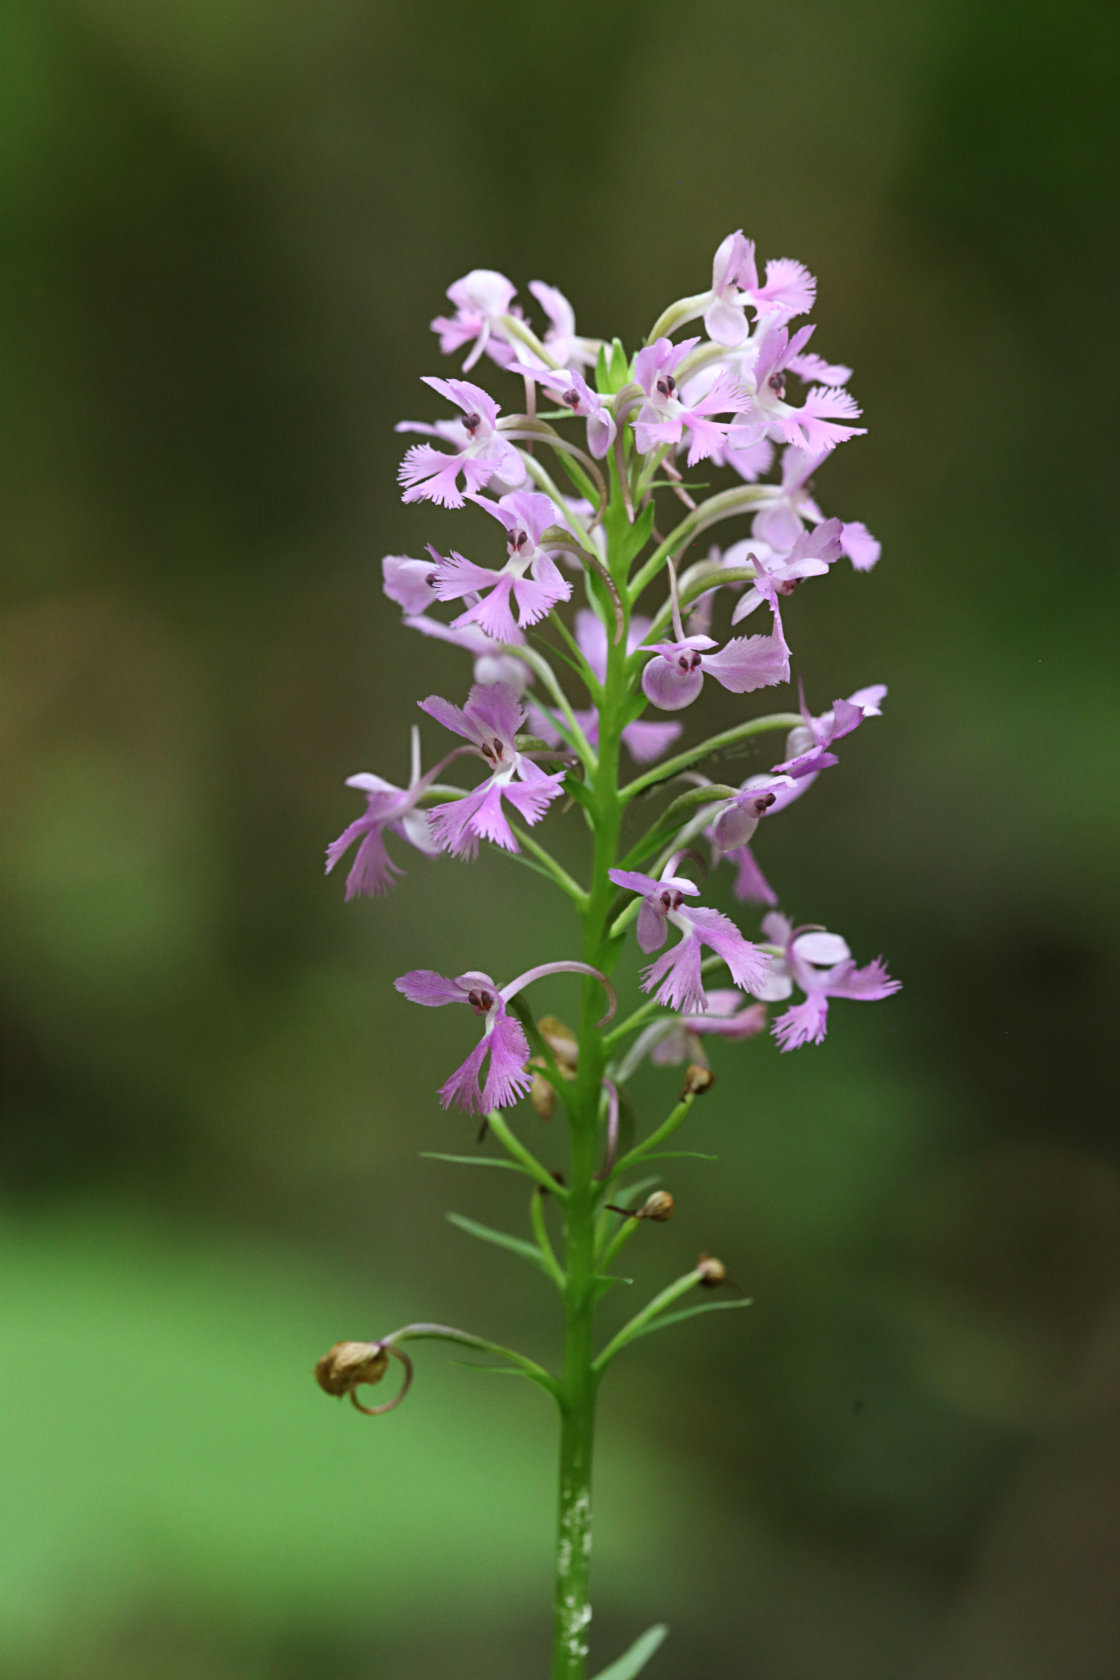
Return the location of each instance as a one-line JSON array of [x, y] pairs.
[[659, 1207], [712, 1272], [541, 1093], [350, 1363], [697, 1079], [563, 1043]]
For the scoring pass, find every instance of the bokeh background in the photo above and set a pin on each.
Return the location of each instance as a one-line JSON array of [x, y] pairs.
[[225, 226]]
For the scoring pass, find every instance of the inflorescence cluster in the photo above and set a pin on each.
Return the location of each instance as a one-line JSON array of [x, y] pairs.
[[732, 397]]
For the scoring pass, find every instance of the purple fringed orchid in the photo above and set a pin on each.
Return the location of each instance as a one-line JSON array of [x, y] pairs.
[[530, 575], [779, 574], [676, 973], [675, 677], [408, 582], [481, 298], [821, 965], [560, 339], [789, 290], [808, 743], [731, 833], [645, 742], [503, 1036], [789, 507], [387, 807], [568, 386], [490, 721], [736, 821], [823, 419], [430, 474], [675, 1039], [663, 417]]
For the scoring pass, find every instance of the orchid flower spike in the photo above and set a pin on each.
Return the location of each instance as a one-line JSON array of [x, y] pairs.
[[530, 575], [807, 743], [490, 721], [674, 679], [430, 474], [503, 1037], [664, 417], [481, 298], [676, 973], [387, 807], [821, 965]]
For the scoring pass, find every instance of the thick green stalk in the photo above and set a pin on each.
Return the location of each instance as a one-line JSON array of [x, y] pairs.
[[579, 1384]]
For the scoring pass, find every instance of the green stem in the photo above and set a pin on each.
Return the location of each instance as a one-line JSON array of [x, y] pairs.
[[580, 1379]]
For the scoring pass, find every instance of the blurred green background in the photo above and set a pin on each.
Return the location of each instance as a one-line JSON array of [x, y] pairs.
[[225, 226]]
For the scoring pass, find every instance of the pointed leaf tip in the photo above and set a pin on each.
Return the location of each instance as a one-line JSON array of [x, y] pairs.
[[501, 1239], [635, 1659]]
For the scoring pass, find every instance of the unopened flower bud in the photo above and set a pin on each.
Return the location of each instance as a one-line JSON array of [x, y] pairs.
[[712, 1272], [349, 1363], [658, 1206], [697, 1079]]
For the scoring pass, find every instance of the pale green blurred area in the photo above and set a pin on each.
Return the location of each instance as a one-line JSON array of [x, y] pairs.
[[225, 228]]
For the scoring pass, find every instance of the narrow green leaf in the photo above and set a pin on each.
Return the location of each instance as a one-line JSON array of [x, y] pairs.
[[638, 534], [677, 1155], [501, 1239], [602, 373], [635, 1659], [472, 1161], [491, 1370], [605, 1281], [664, 1322], [618, 368]]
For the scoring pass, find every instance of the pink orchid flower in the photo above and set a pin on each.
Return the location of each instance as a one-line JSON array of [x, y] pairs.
[[821, 965], [664, 417], [430, 474], [490, 721], [503, 1037], [676, 973]]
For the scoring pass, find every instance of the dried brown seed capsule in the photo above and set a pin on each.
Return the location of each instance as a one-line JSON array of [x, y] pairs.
[[712, 1272], [697, 1079], [349, 1363]]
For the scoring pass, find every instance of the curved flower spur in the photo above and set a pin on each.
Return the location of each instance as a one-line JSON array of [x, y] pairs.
[[581, 627]]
